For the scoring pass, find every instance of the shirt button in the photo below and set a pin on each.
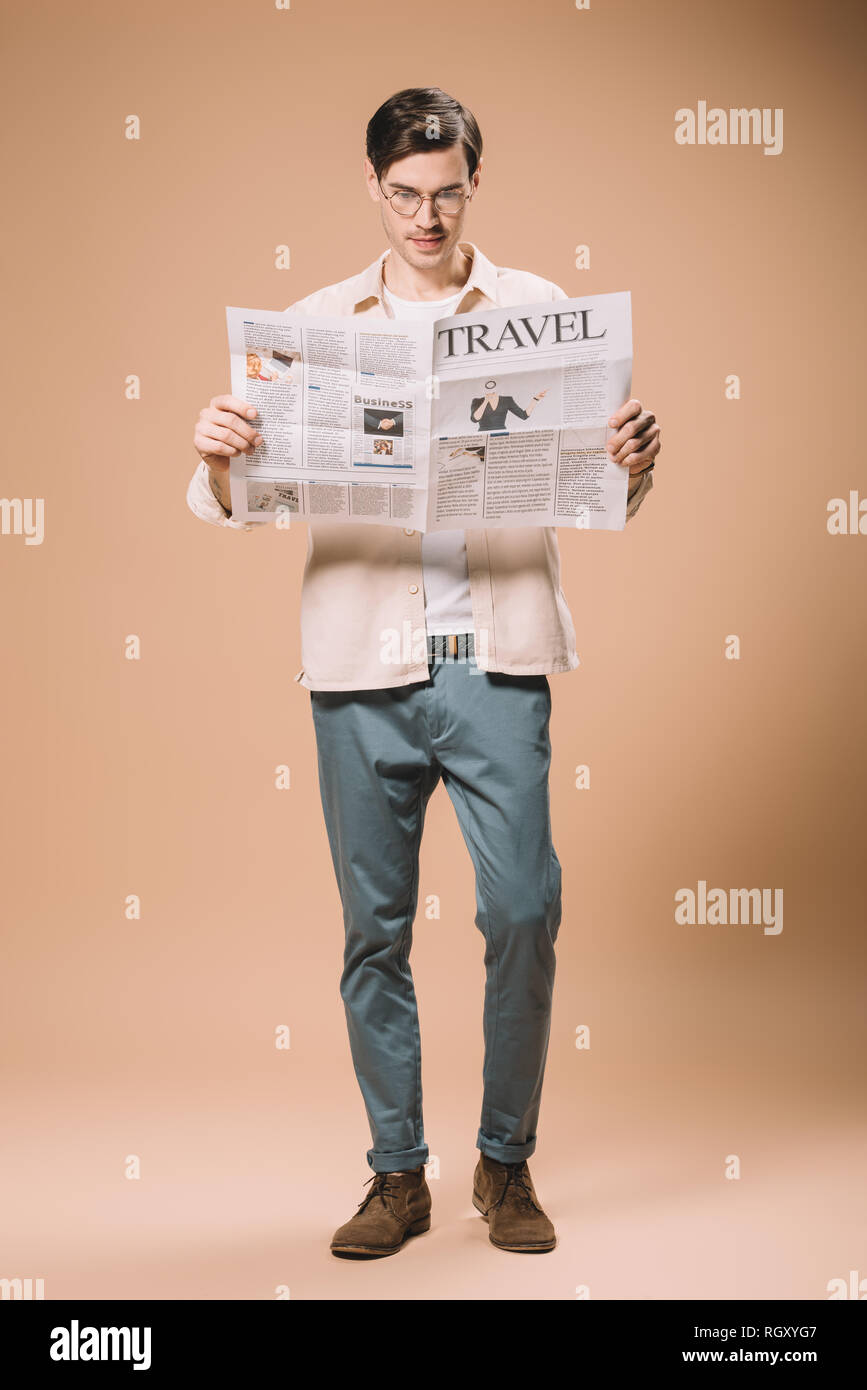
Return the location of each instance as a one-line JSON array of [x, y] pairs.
[[408, 533], [413, 588]]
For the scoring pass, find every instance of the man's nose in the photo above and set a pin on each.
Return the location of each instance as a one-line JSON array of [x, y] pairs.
[[432, 217]]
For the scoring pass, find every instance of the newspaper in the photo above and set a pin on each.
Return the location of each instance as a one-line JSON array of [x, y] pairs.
[[490, 418]]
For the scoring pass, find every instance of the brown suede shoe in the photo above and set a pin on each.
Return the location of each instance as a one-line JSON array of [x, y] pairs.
[[504, 1194], [397, 1205]]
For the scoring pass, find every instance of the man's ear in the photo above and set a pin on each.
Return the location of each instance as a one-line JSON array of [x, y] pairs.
[[371, 179]]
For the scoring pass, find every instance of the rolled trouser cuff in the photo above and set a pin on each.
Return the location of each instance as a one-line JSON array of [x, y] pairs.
[[396, 1162], [505, 1153]]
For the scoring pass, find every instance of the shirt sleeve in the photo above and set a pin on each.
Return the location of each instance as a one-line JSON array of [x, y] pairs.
[[202, 502], [634, 502]]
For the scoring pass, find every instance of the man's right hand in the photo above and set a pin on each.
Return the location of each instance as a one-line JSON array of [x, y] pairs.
[[223, 429]]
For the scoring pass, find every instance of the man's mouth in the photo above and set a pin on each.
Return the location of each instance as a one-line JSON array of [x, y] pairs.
[[425, 241]]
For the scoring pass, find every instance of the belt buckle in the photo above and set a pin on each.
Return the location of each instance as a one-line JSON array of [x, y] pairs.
[[446, 647]]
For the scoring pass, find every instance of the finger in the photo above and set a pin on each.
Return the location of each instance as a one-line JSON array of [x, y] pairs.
[[208, 449], [627, 411], [652, 450], [624, 455], [231, 422], [212, 434], [235, 404], [219, 434], [631, 430], [633, 426], [638, 462], [639, 445]]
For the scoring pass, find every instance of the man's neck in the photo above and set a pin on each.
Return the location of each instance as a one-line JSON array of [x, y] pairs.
[[440, 282]]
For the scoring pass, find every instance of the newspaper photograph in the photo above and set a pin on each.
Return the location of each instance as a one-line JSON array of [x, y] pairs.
[[490, 418]]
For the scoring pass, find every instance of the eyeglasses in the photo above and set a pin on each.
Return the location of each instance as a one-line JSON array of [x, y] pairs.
[[406, 203]]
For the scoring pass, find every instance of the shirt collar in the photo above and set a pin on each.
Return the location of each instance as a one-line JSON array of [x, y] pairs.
[[482, 277]]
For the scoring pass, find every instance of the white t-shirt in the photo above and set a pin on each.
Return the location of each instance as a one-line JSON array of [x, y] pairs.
[[445, 574]]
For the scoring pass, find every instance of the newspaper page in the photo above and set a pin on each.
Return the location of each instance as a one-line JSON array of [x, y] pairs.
[[344, 411], [483, 419]]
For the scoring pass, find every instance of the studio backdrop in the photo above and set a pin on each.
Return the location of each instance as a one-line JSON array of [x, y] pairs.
[[181, 1116]]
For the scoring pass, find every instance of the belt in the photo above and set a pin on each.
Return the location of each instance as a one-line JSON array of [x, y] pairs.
[[453, 646]]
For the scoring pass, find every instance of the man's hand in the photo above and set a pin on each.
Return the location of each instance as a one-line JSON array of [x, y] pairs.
[[223, 430], [637, 440]]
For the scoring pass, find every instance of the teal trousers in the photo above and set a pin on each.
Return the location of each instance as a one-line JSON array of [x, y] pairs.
[[380, 755]]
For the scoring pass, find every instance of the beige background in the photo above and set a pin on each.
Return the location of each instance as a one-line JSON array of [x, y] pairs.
[[156, 777]]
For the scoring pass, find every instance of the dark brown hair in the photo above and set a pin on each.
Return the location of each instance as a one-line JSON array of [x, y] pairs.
[[417, 120]]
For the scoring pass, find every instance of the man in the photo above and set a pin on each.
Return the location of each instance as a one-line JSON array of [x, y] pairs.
[[470, 705]]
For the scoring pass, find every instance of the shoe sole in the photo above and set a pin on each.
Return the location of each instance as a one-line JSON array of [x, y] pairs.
[[375, 1251], [519, 1249]]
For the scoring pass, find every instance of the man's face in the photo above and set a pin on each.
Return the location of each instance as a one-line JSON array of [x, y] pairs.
[[427, 238]]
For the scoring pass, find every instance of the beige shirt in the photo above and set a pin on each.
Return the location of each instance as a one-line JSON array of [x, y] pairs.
[[362, 595]]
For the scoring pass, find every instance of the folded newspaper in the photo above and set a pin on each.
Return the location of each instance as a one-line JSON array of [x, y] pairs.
[[494, 417]]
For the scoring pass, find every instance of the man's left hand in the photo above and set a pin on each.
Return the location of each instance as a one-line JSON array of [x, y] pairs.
[[637, 440]]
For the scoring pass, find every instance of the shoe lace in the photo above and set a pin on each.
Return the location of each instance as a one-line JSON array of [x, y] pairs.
[[383, 1186], [518, 1183]]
